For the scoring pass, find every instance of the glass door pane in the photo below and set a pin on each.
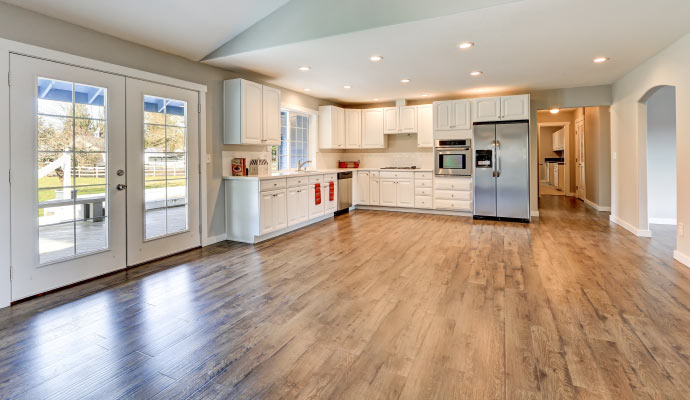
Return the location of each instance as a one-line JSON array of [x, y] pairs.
[[165, 167], [72, 162]]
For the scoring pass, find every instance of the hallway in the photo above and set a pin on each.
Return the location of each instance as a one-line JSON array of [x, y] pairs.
[[373, 304]]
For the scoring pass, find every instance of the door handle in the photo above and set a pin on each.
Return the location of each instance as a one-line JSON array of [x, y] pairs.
[[121, 187], [498, 158]]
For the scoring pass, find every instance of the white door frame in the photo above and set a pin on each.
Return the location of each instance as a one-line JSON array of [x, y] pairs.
[[584, 177], [9, 46], [566, 127]]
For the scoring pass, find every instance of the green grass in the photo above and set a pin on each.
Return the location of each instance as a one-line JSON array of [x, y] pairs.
[[53, 181]]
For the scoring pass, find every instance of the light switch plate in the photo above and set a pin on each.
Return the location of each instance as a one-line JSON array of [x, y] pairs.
[[208, 158], [681, 229]]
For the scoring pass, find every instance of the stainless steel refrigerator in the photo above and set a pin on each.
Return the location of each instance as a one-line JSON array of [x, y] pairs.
[[501, 173]]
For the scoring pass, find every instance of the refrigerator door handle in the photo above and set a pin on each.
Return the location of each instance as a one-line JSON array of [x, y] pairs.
[[498, 158], [497, 161]]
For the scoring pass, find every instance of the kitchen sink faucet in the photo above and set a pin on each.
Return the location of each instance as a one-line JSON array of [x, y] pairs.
[[303, 164]]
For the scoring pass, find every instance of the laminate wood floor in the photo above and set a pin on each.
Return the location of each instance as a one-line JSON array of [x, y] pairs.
[[372, 305]]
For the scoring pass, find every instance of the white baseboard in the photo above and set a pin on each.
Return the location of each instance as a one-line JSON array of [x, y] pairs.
[[271, 235], [597, 206], [534, 213], [681, 258], [663, 221], [213, 240], [414, 210], [632, 229]]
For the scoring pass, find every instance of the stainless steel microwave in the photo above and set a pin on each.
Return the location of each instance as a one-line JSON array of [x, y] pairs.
[[453, 157]]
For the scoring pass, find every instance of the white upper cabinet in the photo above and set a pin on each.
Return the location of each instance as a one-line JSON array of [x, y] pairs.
[[271, 116], [488, 109], [372, 128], [401, 119], [353, 128], [558, 140], [461, 111], [452, 115], [390, 120], [251, 113], [407, 122], [331, 127], [425, 125], [515, 108], [442, 116], [506, 108]]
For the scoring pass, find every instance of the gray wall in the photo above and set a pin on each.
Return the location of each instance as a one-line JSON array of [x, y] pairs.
[[28, 27], [598, 155], [661, 154]]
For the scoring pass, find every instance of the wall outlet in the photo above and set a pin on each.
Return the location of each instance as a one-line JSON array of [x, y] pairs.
[[681, 229]]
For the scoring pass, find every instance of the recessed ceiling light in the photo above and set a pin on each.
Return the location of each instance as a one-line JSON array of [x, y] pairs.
[[304, 68], [465, 45], [425, 95], [405, 80], [376, 99], [375, 58], [307, 90], [347, 87], [600, 60], [554, 111], [476, 73]]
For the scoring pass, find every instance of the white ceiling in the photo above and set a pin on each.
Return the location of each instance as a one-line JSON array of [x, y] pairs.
[[187, 28], [528, 45]]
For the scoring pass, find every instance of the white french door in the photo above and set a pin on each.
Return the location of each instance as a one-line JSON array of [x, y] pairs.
[[67, 160], [104, 173], [162, 170]]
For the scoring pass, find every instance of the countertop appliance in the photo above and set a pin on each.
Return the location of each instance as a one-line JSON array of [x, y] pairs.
[[344, 192], [453, 157], [501, 177]]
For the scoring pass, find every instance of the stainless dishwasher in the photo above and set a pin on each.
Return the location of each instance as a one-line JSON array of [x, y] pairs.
[[344, 192]]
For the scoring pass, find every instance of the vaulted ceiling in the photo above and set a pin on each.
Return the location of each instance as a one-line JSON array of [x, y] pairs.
[[191, 29], [519, 44]]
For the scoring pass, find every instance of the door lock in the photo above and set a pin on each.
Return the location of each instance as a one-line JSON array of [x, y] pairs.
[[121, 187]]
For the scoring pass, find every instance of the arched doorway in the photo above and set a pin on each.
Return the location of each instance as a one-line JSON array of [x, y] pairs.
[[658, 189]]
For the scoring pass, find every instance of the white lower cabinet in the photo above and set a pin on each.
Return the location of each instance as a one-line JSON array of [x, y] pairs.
[[374, 192], [397, 192], [273, 211], [297, 205], [453, 193], [405, 193], [388, 195], [255, 208], [315, 210], [363, 187]]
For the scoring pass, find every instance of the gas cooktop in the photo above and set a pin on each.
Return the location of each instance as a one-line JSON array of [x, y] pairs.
[[412, 167]]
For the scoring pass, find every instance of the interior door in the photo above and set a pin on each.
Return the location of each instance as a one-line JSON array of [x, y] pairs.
[[162, 170], [580, 159], [67, 148]]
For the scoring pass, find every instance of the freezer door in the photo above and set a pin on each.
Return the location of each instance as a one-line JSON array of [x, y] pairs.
[[484, 180], [512, 165]]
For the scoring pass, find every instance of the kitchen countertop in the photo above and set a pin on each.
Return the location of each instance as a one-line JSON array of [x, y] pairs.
[[292, 174]]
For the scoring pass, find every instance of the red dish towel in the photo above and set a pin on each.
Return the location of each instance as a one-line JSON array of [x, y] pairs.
[[331, 191], [317, 191]]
